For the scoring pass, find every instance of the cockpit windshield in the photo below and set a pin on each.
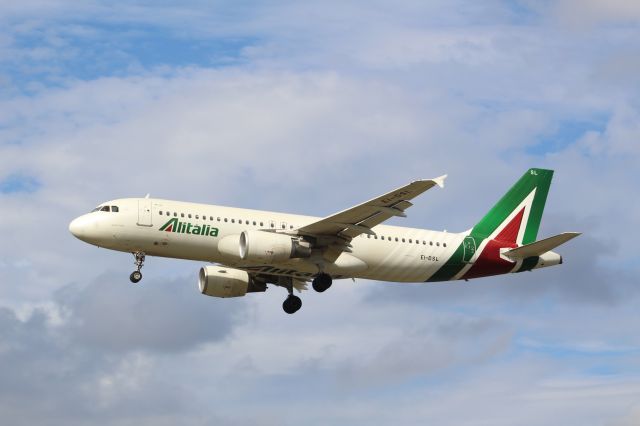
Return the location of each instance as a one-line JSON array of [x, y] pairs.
[[113, 209]]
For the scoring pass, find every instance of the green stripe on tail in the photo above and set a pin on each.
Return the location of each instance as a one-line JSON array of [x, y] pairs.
[[534, 179], [538, 179]]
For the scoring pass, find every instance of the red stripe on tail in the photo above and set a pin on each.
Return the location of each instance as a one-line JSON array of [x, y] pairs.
[[489, 262]]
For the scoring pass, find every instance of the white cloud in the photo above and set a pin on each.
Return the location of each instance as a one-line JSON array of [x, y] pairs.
[[333, 104], [589, 12]]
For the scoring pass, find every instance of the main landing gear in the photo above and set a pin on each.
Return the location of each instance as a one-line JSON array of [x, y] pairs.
[[321, 282], [136, 275], [293, 303]]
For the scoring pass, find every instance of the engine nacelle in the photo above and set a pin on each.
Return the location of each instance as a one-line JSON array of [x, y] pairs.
[[229, 246], [260, 246], [218, 281]]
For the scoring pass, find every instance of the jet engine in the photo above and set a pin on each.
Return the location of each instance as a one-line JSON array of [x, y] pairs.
[[219, 281], [269, 247], [263, 247]]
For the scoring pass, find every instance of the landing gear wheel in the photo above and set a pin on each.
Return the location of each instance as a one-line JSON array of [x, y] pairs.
[[136, 275], [292, 304], [321, 282]]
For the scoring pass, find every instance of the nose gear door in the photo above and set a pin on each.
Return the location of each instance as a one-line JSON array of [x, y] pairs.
[[144, 212]]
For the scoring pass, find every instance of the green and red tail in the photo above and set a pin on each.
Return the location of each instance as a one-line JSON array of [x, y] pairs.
[[516, 217], [512, 222]]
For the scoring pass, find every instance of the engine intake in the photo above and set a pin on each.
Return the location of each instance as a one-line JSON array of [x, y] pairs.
[[260, 246], [223, 282], [218, 281]]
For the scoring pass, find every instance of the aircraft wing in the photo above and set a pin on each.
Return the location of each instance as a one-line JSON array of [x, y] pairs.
[[360, 219]]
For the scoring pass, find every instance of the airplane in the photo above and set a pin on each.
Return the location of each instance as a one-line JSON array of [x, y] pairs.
[[249, 249]]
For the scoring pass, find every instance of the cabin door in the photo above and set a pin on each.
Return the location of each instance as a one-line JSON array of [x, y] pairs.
[[144, 212]]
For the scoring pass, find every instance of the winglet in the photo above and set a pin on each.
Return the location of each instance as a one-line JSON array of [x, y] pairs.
[[440, 180]]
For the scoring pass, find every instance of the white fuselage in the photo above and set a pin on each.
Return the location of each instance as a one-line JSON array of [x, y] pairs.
[[393, 254]]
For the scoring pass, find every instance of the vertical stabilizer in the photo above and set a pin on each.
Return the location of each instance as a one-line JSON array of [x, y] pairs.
[[516, 217], [513, 221]]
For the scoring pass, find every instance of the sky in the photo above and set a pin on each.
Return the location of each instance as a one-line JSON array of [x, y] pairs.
[[312, 107]]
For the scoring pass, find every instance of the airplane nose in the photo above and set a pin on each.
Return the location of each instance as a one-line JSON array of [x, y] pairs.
[[76, 228]]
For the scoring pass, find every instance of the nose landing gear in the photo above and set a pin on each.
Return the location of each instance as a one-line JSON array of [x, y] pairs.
[[136, 275]]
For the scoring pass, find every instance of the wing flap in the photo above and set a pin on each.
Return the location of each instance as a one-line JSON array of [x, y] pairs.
[[540, 247], [299, 285]]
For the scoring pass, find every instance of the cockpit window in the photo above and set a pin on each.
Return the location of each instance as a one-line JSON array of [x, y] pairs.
[[114, 209]]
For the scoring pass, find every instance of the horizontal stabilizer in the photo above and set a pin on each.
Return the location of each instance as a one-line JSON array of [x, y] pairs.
[[540, 247]]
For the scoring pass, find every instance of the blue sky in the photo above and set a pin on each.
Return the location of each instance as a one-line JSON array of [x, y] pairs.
[[311, 107]]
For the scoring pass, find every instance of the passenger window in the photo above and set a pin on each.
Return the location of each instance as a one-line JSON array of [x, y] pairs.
[[410, 240], [233, 221], [444, 244], [225, 219], [160, 212], [181, 214], [403, 240], [175, 214], [218, 219], [396, 239], [105, 209], [424, 243], [189, 215], [115, 209], [261, 223], [438, 244], [211, 218], [168, 214], [197, 217], [246, 222], [417, 241]]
